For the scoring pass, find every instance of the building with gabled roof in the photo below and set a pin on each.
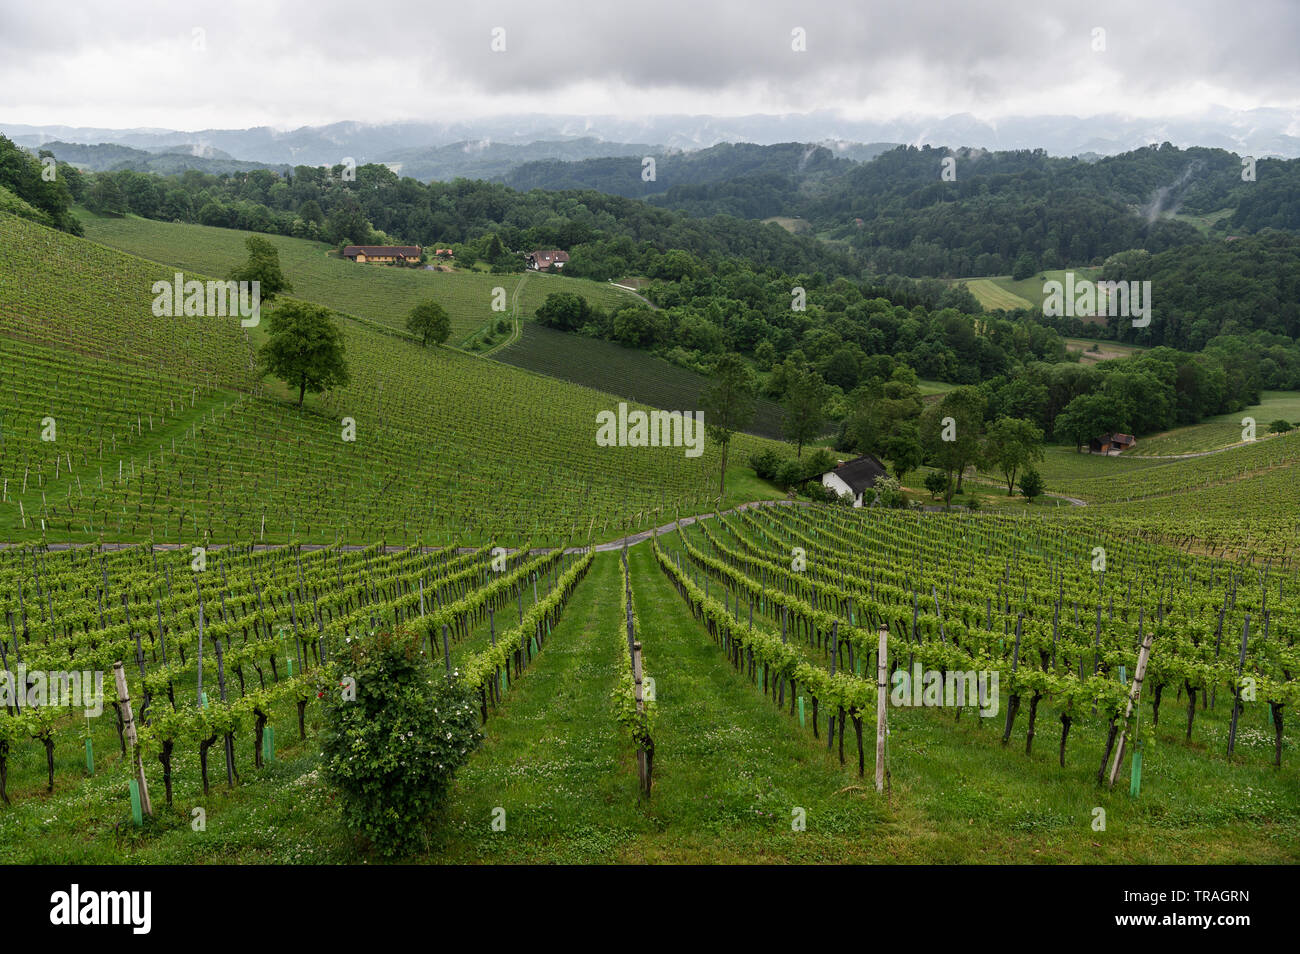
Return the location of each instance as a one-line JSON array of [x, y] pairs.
[[1111, 444], [542, 259], [854, 477], [383, 254]]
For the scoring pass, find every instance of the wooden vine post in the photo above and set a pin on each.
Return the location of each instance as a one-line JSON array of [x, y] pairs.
[[882, 653], [643, 756], [119, 677], [1134, 697], [1236, 689]]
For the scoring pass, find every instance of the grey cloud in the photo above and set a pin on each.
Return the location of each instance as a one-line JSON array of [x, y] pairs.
[[305, 59]]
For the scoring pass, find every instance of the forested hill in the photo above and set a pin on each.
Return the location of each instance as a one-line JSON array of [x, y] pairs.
[[995, 209], [109, 157], [741, 179], [1057, 212], [1215, 288], [608, 236]]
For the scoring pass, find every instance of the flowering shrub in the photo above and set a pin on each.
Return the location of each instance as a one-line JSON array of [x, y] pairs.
[[392, 750]]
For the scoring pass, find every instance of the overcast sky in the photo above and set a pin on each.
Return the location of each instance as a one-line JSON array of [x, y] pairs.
[[236, 64]]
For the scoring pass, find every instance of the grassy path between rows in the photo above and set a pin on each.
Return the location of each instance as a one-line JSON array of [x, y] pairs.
[[729, 768]]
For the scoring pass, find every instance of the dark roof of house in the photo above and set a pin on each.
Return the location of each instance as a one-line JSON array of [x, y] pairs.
[[861, 473], [1126, 440], [549, 256], [408, 251]]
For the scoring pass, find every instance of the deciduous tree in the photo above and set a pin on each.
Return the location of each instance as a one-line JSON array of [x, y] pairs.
[[1010, 445], [728, 405], [304, 349], [805, 400], [263, 266], [429, 321]]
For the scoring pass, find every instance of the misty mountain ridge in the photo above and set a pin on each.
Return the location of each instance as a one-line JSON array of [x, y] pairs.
[[1256, 132]]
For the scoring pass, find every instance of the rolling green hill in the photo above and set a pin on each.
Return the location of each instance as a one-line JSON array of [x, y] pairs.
[[164, 432], [381, 294], [1223, 430]]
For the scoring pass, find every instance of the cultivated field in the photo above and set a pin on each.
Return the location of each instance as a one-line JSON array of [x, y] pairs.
[[380, 294], [1224, 430], [742, 717], [1002, 292], [625, 372], [444, 441], [993, 296]]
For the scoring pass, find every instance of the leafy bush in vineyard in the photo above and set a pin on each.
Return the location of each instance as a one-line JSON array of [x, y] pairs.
[[392, 750]]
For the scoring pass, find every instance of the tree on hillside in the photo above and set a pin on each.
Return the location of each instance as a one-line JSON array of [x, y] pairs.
[[1136, 386], [884, 413], [429, 321], [903, 450], [939, 485], [263, 266], [841, 368], [805, 400], [951, 432], [1031, 484], [566, 311], [390, 754], [728, 405], [304, 348], [1012, 444], [639, 327], [1089, 416]]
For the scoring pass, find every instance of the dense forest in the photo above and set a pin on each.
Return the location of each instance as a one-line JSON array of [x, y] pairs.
[[607, 236], [1221, 287], [740, 179], [997, 207]]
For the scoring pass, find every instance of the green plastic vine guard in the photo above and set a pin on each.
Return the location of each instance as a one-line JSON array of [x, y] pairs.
[[1123, 676], [802, 724], [90, 750], [205, 700], [285, 646], [1135, 783], [136, 813]]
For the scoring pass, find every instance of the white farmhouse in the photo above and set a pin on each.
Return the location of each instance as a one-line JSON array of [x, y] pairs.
[[854, 477]]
